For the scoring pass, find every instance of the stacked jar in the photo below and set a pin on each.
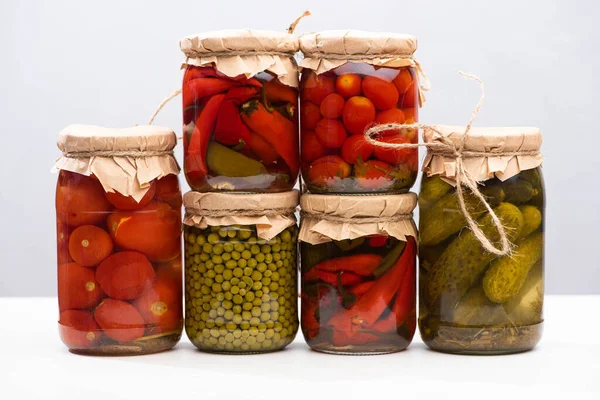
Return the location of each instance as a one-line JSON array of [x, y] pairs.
[[358, 239], [481, 278], [118, 216], [241, 159]]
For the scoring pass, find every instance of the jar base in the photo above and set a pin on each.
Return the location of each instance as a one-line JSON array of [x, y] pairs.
[[483, 340], [143, 347], [356, 353]]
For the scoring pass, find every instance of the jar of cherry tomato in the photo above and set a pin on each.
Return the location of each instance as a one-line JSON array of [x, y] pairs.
[[352, 80], [241, 271], [240, 111], [118, 216], [358, 273]]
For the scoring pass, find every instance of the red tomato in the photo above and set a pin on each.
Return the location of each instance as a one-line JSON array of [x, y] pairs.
[[127, 202], [316, 87], [119, 320], [393, 156], [331, 133], [384, 95], [154, 231], [391, 116], [77, 287], [348, 85], [168, 191], [310, 115], [80, 200], [411, 114], [62, 243], [78, 329], [332, 106], [89, 245], [358, 114], [356, 149], [125, 275], [403, 80], [326, 170], [311, 147], [410, 97], [161, 307], [373, 174]]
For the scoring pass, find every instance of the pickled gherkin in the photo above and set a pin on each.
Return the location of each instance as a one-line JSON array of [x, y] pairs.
[[447, 209], [532, 219], [432, 190], [505, 276], [476, 309], [241, 290], [465, 258], [526, 306]]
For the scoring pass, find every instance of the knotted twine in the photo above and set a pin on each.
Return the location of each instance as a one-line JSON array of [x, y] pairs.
[[448, 149]]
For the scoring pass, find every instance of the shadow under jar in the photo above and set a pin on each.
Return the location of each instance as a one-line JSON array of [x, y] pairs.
[[118, 254], [358, 293], [240, 125], [356, 91], [240, 279], [472, 301]]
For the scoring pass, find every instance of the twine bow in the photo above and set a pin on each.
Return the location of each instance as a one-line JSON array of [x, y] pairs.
[[448, 148]]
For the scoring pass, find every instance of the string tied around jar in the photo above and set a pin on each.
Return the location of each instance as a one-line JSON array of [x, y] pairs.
[[240, 212], [355, 219], [462, 177]]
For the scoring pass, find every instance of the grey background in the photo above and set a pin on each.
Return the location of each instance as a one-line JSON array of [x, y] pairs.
[[111, 62]]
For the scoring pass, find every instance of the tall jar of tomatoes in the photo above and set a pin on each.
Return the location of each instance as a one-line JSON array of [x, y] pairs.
[[118, 218], [358, 264], [352, 80], [240, 111], [241, 287]]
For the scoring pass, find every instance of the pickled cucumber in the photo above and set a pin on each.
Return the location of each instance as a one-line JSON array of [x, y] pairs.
[[465, 258], [525, 308], [241, 293], [432, 189], [519, 191], [476, 309], [445, 218], [505, 276], [221, 160], [532, 219]]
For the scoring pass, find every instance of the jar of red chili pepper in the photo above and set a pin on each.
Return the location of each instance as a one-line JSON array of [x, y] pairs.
[[240, 111], [118, 216], [241, 288], [352, 80], [358, 256]]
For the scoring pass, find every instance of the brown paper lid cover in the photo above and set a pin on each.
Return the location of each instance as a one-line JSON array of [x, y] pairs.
[[386, 214], [353, 42], [495, 145], [271, 213]]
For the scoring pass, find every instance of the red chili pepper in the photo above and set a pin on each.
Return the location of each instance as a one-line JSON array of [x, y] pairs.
[[341, 338], [361, 288], [406, 296], [367, 310], [210, 72], [280, 132], [230, 130], [378, 240], [359, 264], [347, 278], [277, 91], [198, 88], [265, 152], [195, 157], [309, 323]]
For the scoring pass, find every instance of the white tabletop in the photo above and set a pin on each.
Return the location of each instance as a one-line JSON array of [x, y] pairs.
[[34, 364]]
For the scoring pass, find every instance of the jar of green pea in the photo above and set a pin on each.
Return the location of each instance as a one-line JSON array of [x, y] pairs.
[[241, 271]]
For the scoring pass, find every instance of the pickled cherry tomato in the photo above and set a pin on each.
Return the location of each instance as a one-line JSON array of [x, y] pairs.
[[310, 115], [316, 87], [311, 147], [78, 329], [127, 202], [348, 85], [89, 245], [80, 200], [331, 133], [384, 95], [356, 149], [77, 287], [120, 320], [332, 106], [358, 114]]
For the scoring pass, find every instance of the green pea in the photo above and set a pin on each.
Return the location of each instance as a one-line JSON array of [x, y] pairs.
[[235, 281], [276, 248], [192, 238], [237, 299], [219, 268], [252, 263], [235, 255], [218, 249], [260, 257], [207, 248], [286, 236], [254, 321], [216, 287], [231, 233], [231, 264], [254, 249], [238, 247], [247, 307], [237, 309], [244, 234], [200, 239], [242, 262], [269, 258], [228, 247], [250, 296], [268, 273], [213, 238], [237, 319], [261, 267], [257, 285], [204, 257], [219, 278], [256, 276], [246, 315], [246, 254], [226, 256], [211, 274], [265, 248], [238, 272], [222, 233]]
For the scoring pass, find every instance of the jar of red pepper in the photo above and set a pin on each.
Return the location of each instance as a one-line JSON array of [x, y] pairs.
[[118, 216], [358, 256], [352, 80], [240, 111]]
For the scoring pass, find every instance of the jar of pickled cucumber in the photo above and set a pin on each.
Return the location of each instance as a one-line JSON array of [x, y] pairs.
[[240, 111], [358, 273], [473, 301], [352, 80], [118, 218], [241, 271]]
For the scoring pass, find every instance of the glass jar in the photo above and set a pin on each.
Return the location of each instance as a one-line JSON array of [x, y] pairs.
[[359, 293], [240, 114], [472, 301], [119, 256], [241, 288], [356, 92]]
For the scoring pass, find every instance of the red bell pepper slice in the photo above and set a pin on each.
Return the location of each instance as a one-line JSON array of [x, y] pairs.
[[230, 130]]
